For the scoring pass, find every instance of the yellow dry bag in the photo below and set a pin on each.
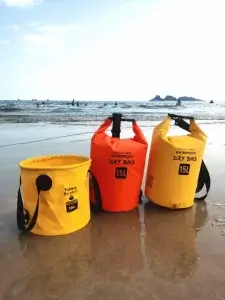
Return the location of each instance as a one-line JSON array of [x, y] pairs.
[[175, 168], [55, 193]]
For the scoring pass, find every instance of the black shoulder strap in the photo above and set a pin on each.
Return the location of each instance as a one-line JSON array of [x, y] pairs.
[[43, 183], [140, 197], [97, 206], [204, 177]]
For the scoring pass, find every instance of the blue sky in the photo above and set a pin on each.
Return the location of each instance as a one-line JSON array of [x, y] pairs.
[[112, 49]]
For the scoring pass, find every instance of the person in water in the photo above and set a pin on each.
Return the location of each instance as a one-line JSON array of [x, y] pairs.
[[42, 104], [178, 102], [72, 103]]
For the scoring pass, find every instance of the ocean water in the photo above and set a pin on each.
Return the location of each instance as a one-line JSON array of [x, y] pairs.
[[63, 112]]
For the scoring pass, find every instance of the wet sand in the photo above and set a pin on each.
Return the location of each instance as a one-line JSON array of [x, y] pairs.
[[148, 253]]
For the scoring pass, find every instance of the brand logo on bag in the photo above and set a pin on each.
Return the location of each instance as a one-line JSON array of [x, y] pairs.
[[72, 204], [70, 190]]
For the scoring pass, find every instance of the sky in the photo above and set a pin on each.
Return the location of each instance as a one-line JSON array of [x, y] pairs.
[[112, 49]]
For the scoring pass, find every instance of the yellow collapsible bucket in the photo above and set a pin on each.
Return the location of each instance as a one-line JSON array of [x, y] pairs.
[[175, 168], [55, 193]]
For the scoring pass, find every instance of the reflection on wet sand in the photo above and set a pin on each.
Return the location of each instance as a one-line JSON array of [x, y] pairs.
[[171, 240], [52, 265], [115, 246], [117, 255], [105, 251]]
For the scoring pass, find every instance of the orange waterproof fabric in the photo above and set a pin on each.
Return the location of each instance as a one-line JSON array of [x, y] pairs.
[[118, 166]]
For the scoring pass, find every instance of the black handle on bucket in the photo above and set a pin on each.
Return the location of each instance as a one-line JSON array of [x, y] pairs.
[[43, 183], [117, 118], [204, 177]]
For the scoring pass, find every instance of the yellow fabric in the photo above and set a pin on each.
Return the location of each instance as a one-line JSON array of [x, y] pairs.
[[169, 155], [69, 180]]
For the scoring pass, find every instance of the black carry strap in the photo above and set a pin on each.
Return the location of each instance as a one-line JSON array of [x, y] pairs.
[[140, 197], [204, 177], [116, 129], [116, 126], [43, 183], [97, 206]]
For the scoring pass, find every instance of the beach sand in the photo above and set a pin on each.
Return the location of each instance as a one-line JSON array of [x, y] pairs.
[[148, 253]]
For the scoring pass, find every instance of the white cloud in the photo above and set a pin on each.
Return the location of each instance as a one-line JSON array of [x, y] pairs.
[[38, 39], [64, 28], [34, 24], [4, 42], [15, 27], [47, 37], [20, 3]]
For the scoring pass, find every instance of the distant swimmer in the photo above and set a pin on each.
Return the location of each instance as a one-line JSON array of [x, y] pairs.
[[178, 102], [77, 103], [115, 103], [211, 101], [73, 103], [42, 104]]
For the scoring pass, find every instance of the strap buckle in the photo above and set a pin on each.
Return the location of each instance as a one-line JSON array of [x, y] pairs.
[[178, 118]]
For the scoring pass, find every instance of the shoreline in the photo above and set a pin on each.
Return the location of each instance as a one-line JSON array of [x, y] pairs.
[[26, 112]]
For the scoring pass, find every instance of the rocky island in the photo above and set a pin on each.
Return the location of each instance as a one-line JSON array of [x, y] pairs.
[[172, 98]]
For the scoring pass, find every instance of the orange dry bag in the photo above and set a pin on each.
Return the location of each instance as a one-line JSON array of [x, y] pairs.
[[176, 169], [117, 167]]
